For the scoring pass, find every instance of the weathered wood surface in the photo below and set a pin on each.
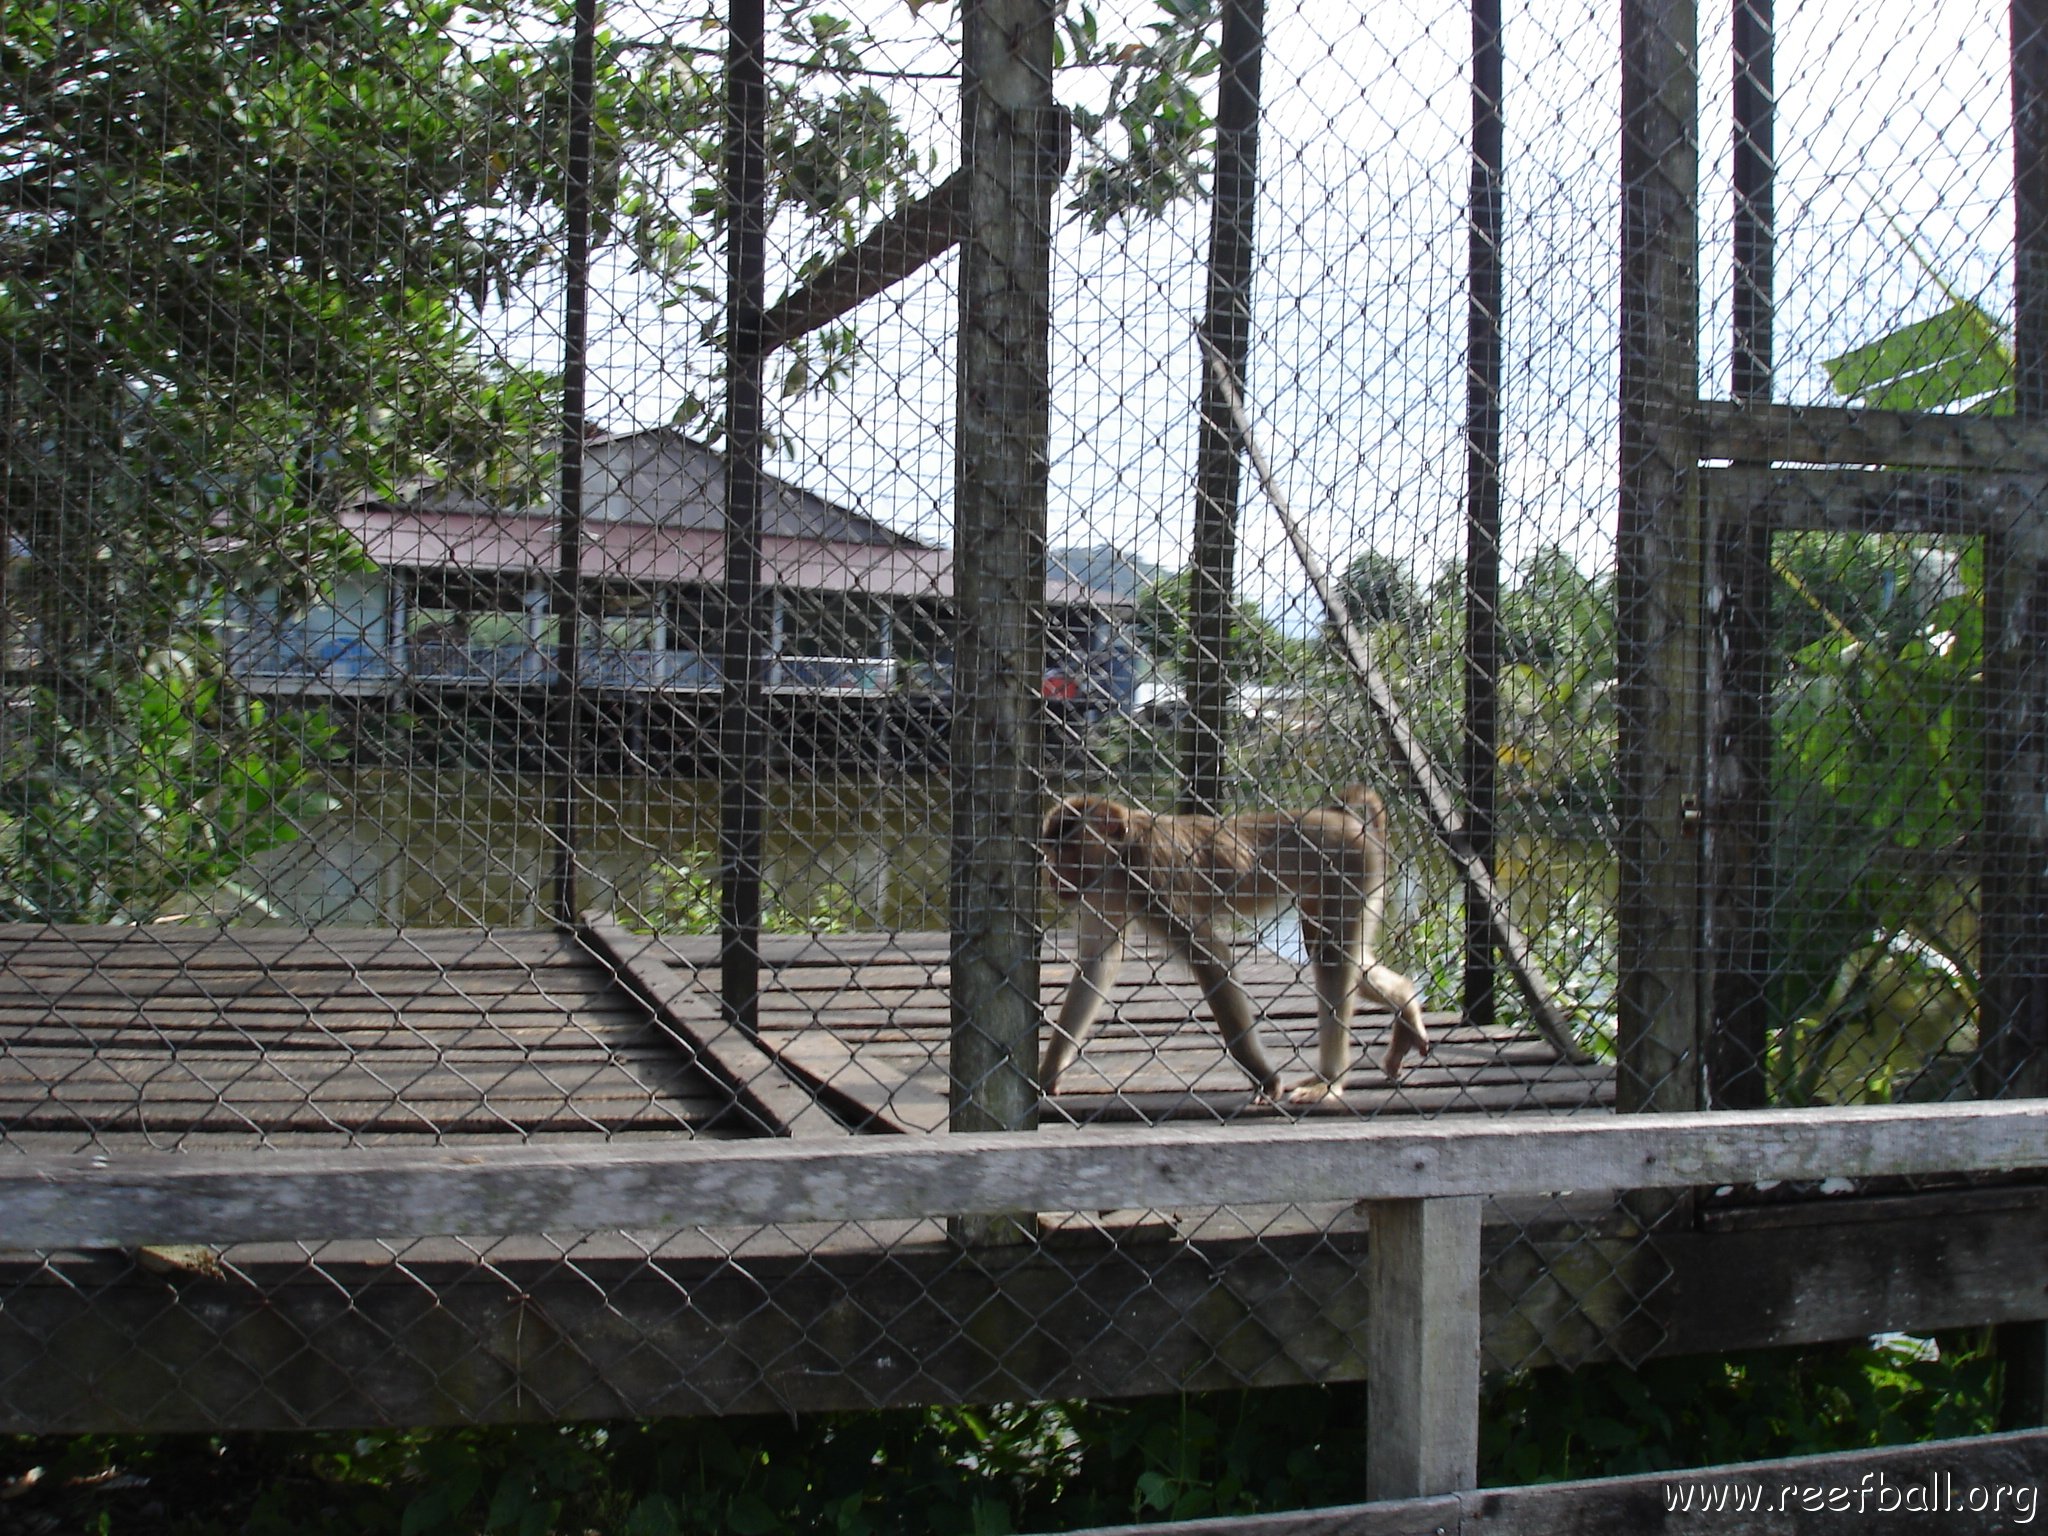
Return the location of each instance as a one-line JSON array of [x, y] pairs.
[[1833, 434], [778, 1102], [175, 1033], [1877, 501], [866, 1014], [91, 1342], [1422, 1348], [272, 1035], [109, 1199], [1926, 1487]]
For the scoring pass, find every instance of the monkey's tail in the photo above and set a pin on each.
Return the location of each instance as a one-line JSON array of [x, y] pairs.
[[1366, 806]]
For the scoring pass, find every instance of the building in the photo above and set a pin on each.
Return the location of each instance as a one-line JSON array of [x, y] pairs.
[[457, 594]]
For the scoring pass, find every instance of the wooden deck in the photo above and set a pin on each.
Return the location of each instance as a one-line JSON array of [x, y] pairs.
[[865, 1016], [170, 1036]]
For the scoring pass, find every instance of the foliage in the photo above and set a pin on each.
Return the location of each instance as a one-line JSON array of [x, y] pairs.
[[150, 791], [1150, 144], [1258, 651], [681, 897], [1706, 1410], [1378, 589], [1879, 738], [1047, 1466]]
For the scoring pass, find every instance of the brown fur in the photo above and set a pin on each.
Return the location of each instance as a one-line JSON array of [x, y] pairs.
[[1178, 875]]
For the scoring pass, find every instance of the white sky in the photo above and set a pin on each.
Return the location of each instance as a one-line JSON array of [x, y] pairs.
[[1356, 374]]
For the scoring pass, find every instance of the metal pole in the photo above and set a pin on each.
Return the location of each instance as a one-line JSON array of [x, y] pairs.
[[565, 696], [1226, 327], [1738, 659], [1482, 483], [742, 726]]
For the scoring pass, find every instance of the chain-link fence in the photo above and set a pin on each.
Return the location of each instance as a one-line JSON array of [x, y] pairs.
[[488, 659]]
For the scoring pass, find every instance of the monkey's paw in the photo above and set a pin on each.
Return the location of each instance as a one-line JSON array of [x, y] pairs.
[[1315, 1090]]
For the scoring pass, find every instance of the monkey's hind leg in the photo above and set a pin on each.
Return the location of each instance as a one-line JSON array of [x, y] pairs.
[[1396, 993], [1336, 978]]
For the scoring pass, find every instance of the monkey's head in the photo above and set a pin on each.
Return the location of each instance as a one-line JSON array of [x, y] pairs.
[[1082, 839]]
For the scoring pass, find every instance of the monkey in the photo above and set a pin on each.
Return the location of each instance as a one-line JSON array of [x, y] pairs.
[[1176, 875]]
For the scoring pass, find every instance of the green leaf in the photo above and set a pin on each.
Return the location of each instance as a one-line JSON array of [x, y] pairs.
[[1949, 358]]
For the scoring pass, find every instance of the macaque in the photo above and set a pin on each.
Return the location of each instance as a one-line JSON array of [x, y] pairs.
[[1178, 875]]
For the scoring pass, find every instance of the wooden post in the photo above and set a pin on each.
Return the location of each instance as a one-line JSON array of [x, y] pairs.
[[1226, 327], [1422, 1348], [1659, 549], [2015, 928], [2014, 1023], [1009, 152], [742, 730], [565, 605], [1482, 492], [1739, 610]]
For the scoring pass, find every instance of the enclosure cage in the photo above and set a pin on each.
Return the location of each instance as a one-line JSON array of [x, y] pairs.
[[555, 566]]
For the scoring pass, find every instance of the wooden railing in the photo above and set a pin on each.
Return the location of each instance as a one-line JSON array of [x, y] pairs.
[[1423, 1183]]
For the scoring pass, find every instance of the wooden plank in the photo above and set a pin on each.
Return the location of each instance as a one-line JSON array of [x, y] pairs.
[[92, 1345], [316, 946], [1870, 501], [786, 1106], [908, 238], [1930, 1486], [1659, 557], [1009, 132], [1847, 435], [1422, 1348], [128, 1201]]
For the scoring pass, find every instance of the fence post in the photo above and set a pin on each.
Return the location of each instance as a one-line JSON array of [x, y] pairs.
[[1010, 153], [742, 734], [1658, 556], [2014, 1022], [1422, 1347], [1227, 327], [1738, 797], [1482, 490], [565, 593]]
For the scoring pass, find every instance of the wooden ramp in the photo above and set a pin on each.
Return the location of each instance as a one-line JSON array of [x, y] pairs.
[[864, 1017]]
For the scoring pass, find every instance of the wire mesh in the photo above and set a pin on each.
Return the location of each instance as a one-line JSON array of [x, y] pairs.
[[304, 711]]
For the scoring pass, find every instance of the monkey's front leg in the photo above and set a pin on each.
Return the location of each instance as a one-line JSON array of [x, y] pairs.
[[1098, 956]]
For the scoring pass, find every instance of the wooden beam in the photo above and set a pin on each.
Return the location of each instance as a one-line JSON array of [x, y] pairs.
[[92, 1343], [1931, 1486], [1867, 501], [1422, 1348], [908, 238], [1660, 549], [778, 1101], [1847, 435], [117, 1199], [1003, 411]]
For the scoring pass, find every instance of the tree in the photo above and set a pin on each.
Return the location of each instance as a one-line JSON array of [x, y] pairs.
[[1257, 647], [1378, 589], [245, 254]]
